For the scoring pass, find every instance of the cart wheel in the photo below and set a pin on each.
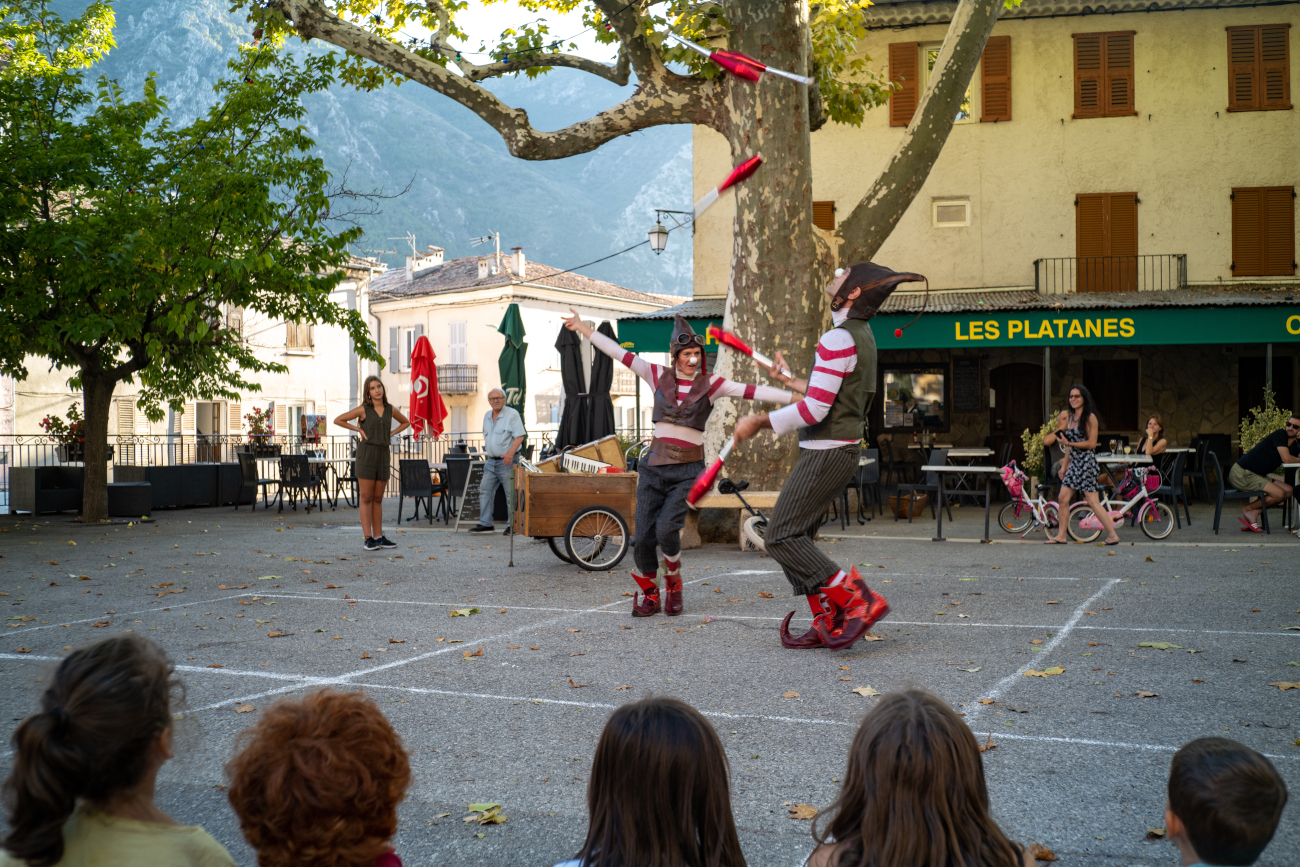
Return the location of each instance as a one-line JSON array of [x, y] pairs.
[[558, 549], [596, 538], [754, 528]]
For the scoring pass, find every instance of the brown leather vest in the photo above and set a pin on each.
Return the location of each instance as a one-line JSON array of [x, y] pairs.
[[693, 412]]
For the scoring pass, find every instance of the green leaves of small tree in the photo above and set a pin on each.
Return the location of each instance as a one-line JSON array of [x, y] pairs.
[[1262, 421]]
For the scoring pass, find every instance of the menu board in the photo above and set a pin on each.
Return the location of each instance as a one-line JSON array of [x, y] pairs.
[[966, 384]]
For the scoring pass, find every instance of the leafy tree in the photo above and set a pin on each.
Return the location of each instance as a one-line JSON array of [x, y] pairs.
[[1263, 420], [779, 261], [125, 242]]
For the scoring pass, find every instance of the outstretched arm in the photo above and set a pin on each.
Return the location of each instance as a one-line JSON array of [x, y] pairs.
[[837, 356], [630, 360]]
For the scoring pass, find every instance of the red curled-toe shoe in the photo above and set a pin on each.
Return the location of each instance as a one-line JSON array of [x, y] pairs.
[[832, 622], [866, 609], [645, 605]]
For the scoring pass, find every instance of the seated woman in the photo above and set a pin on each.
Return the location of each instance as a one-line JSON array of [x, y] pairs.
[[82, 786], [1154, 442], [317, 781], [913, 794], [659, 791]]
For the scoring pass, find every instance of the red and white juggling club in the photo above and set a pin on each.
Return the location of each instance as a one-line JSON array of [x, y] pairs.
[[709, 476], [741, 65], [726, 338], [738, 174]]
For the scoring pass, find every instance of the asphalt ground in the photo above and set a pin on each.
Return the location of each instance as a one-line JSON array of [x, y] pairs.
[[1081, 757]]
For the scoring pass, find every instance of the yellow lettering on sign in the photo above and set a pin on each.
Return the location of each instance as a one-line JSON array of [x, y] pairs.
[[991, 329], [1126, 328], [1014, 327], [1293, 325], [1060, 326], [1075, 330], [960, 336], [1094, 327], [976, 331], [1045, 328], [1110, 325]]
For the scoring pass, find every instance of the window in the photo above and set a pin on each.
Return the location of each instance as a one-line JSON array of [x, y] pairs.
[[401, 343], [931, 55], [298, 337], [1106, 241], [824, 215], [916, 396], [459, 417], [1103, 74], [948, 213], [1114, 388], [995, 80], [1259, 68], [1263, 231], [457, 342]]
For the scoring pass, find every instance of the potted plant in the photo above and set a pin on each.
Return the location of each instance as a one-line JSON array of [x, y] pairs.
[[259, 433], [1263, 420], [1033, 442], [70, 434]]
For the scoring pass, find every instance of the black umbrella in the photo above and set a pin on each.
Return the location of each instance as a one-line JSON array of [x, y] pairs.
[[573, 418], [600, 418]]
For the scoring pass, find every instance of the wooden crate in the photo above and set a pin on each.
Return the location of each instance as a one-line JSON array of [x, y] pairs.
[[548, 500]]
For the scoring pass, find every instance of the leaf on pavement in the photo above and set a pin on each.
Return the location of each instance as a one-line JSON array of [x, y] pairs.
[[397, 641], [576, 685], [790, 694], [765, 595], [1041, 852], [1156, 833], [270, 578], [1142, 693], [622, 687], [365, 656], [1159, 645], [466, 654], [971, 670], [245, 708], [803, 811], [22, 650], [102, 624], [1284, 685], [216, 665], [866, 691], [988, 701], [1149, 560], [463, 612], [278, 634], [1046, 672], [869, 636]]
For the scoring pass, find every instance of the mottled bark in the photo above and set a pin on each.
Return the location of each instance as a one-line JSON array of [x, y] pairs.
[[876, 215], [97, 393]]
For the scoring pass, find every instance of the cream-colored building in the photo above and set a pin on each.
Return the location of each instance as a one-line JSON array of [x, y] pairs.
[[458, 304]]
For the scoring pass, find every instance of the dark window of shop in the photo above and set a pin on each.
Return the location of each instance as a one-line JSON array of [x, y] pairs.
[[914, 397], [824, 215], [1263, 231], [1114, 387], [1250, 383], [1106, 241], [1259, 68], [1103, 74]]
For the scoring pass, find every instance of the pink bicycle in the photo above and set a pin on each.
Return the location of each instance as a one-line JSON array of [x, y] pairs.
[[1136, 486], [1023, 515]]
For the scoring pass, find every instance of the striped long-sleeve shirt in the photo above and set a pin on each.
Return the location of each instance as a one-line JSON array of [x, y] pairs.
[[719, 387], [837, 356]]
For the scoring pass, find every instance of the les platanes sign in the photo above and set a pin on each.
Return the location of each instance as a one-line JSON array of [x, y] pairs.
[[1046, 329]]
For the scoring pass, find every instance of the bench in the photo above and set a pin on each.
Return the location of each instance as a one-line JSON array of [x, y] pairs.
[[761, 500]]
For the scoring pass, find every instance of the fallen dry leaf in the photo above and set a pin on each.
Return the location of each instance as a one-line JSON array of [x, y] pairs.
[[365, 656], [1054, 602], [790, 694], [1159, 645], [397, 641], [278, 634], [467, 654], [1035, 641], [216, 665], [1144, 694], [1046, 672], [988, 701], [1284, 685], [866, 691], [245, 708], [103, 623], [870, 636], [576, 685], [803, 811], [1156, 833], [622, 687], [765, 595], [463, 612], [1149, 560], [1041, 852], [22, 650], [575, 630]]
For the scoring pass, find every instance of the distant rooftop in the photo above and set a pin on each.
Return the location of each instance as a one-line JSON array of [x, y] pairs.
[[911, 13]]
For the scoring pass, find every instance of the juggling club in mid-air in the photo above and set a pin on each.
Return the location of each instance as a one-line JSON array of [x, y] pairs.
[[726, 338], [706, 479]]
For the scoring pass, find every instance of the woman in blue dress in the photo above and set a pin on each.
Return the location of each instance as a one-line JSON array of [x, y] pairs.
[[1079, 470]]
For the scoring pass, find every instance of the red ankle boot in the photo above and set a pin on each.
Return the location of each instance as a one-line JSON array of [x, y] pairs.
[[865, 608], [645, 604], [673, 592]]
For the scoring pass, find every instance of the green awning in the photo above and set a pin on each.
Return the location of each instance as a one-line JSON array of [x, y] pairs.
[[652, 335]]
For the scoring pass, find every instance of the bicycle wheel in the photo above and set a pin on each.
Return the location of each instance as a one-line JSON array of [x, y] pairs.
[[754, 529], [1078, 513], [1053, 521], [1016, 517], [596, 538], [558, 549], [1157, 521]]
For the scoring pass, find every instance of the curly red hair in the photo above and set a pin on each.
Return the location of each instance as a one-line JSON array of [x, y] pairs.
[[318, 780]]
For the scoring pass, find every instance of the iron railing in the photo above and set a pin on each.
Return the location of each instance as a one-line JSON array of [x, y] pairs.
[[458, 378], [624, 382], [1110, 274]]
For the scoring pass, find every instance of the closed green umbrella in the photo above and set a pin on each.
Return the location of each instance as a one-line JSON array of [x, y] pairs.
[[510, 364]]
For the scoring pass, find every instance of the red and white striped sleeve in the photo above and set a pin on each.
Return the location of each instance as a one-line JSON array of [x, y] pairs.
[[722, 387], [638, 365], [837, 356]]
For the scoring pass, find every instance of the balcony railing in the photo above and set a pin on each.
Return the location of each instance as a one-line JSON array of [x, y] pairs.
[[458, 378], [624, 382], [1110, 274]]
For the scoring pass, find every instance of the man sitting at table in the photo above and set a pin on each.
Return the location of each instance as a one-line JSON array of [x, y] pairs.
[[1250, 472], [503, 433]]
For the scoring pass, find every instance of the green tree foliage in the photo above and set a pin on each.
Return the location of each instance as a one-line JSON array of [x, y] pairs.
[[126, 242], [1262, 421]]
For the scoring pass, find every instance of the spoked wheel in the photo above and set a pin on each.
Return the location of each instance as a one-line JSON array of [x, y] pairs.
[[596, 538], [1157, 521], [558, 549], [755, 528], [1016, 517], [1079, 530], [1053, 520]]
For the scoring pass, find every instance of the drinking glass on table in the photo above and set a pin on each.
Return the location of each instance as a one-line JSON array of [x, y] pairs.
[[1112, 444]]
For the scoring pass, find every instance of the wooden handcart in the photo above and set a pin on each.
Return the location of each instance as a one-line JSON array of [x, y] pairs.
[[587, 519]]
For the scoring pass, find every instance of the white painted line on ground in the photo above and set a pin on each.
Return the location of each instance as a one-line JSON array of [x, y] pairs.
[[1005, 683], [27, 629], [434, 604]]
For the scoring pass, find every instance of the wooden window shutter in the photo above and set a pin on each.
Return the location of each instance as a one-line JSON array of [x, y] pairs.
[[1087, 75], [1247, 232], [1278, 247], [1119, 74], [904, 71], [125, 416], [235, 418], [187, 418], [995, 79], [1275, 67], [1243, 68], [1089, 226], [1122, 233], [281, 418], [393, 338], [824, 215]]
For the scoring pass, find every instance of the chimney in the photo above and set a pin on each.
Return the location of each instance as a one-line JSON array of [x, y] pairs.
[[517, 262], [485, 267], [422, 263]]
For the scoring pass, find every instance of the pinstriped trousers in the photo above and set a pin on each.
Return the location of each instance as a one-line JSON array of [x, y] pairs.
[[817, 479]]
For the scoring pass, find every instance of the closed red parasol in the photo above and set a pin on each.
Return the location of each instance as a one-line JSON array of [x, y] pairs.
[[427, 407]]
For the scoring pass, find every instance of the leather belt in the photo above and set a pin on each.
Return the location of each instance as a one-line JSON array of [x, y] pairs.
[[663, 454]]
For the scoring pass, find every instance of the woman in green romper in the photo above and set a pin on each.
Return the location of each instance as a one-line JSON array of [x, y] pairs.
[[374, 422]]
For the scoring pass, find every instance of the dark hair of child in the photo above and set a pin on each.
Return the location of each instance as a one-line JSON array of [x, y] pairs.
[[659, 794], [914, 793], [1228, 797], [318, 780], [104, 707]]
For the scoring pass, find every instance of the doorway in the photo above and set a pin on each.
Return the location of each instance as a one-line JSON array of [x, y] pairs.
[[1017, 397], [209, 425], [1250, 384]]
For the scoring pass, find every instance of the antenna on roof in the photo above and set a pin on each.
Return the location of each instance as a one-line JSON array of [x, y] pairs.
[[409, 238], [493, 236]]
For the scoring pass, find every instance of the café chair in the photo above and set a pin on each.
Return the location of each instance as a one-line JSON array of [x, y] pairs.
[[1232, 494], [938, 457], [415, 481], [248, 478], [297, 480]]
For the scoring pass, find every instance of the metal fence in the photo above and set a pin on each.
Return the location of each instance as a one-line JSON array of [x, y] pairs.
[[458, 378], [1110, 274]]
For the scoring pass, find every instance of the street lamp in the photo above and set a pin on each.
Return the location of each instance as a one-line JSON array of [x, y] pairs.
[[659, 235]]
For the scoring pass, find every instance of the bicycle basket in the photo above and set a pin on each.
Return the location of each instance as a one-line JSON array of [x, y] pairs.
[[1150, 479], [1014, 479]]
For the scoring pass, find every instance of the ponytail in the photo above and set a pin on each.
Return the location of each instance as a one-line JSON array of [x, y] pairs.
[[106, 705]]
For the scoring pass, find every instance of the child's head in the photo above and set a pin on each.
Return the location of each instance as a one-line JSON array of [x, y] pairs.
[[914, 791], [105, 722], [1225, 798], [659, 793], [318, 780]]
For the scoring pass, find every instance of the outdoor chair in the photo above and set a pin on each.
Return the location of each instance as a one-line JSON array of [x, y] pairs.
[[938, 457], [414, 481], [1173, 487], [248, 478], [869, 491], [346, 483], [1195, 469], [297, 480], [457, 474], [1232, 494]]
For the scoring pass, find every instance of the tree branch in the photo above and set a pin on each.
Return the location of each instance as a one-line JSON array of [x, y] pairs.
[[879, 211], [663, 97], [618, 73]]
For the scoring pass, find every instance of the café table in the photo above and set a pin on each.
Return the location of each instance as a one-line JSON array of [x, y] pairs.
[[989, 474], [330, 466], [960, 456]]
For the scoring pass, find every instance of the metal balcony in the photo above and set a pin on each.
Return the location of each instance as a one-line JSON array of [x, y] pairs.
[[1110, 274], [458, 378]]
